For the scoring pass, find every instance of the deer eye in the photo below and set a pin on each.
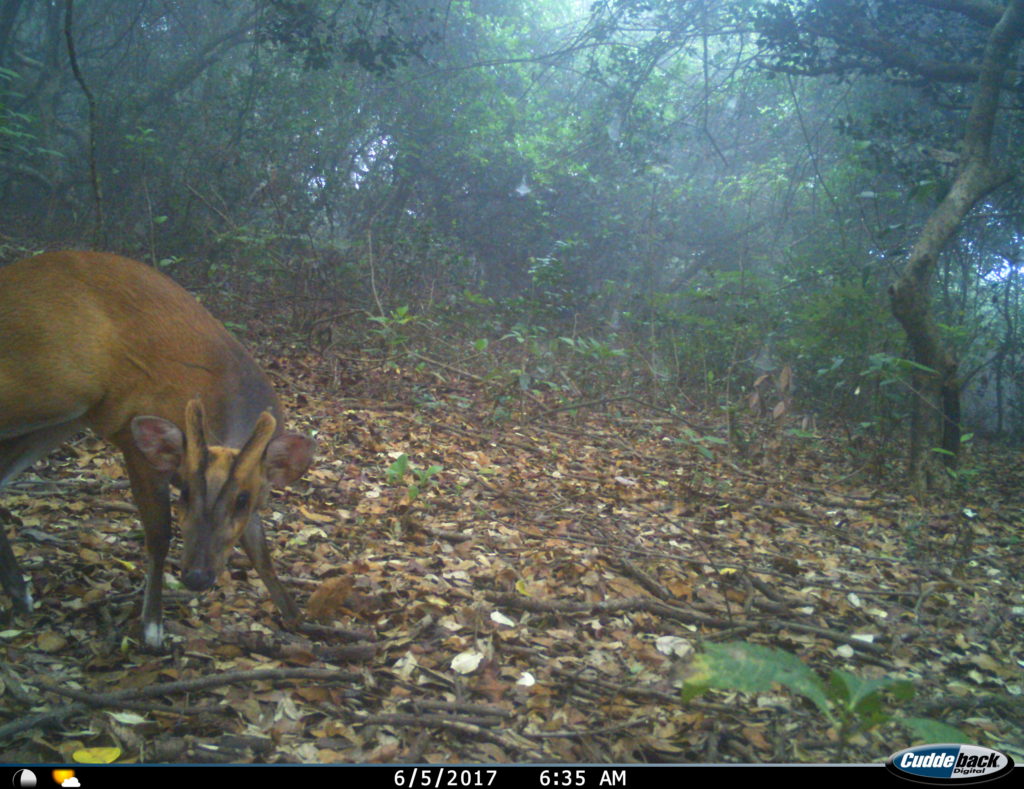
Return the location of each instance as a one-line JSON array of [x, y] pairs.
[[242, 502]]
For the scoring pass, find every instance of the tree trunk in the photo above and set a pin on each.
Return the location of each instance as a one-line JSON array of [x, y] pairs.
[[935, 420]]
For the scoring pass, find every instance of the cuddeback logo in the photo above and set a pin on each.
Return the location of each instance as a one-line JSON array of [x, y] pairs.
[[939, 764]]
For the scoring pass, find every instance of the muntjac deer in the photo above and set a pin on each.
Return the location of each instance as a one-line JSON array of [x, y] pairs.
[[100, 341]]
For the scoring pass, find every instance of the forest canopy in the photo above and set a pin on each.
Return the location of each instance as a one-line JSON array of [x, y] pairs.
[[724, 189]]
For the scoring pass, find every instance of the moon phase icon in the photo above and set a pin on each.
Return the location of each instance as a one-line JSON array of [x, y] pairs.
[[24, 779]]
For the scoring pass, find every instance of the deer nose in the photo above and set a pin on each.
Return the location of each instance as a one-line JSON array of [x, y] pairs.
[[198, 580]]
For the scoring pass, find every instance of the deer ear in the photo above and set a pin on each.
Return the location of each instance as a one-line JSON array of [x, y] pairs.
[[159, 441], [288, 457]]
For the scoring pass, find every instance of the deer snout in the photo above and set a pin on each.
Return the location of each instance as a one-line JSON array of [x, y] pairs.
[[199, 579]]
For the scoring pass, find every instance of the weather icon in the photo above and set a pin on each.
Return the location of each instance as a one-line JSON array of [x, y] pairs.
[[24, 779], [66, 778]]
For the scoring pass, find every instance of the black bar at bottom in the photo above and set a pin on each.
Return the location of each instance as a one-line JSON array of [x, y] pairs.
[[469, 776]]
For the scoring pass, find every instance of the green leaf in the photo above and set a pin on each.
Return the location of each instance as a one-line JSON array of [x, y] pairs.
[[396, 471], [861, 698], [856, 691], [751, 668], [928, 730]]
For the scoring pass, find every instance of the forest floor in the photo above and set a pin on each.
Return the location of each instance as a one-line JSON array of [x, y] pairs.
[[540, 596]]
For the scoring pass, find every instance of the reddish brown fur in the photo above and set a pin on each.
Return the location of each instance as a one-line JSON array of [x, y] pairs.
[[117, 338], [100, 341]]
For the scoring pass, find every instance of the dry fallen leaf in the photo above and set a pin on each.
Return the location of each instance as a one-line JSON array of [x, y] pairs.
[[330, 598]]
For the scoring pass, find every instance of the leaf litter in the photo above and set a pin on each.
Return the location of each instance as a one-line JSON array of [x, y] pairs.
[[538, 598]]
